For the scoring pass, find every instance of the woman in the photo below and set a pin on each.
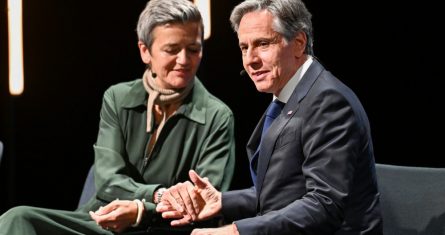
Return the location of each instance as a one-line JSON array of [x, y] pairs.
[[151, 133]]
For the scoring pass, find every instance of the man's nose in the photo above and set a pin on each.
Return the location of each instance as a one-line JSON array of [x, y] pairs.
[[251, 57]]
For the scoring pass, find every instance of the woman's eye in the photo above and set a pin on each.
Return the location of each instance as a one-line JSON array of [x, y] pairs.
[[172, 50], [194, 49]]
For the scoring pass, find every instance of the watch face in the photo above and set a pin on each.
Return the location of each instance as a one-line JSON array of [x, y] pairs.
[[159, 194]]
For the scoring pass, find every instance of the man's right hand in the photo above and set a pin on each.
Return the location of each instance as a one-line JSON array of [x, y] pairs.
[[186, 202]]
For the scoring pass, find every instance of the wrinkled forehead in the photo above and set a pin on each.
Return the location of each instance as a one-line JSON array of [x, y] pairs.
[[256, 24]]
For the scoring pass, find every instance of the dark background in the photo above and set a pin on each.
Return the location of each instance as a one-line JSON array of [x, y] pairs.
[[389, 54]]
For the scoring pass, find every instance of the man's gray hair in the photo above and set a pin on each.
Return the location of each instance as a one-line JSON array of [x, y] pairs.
[[161, 12], [290, 17]]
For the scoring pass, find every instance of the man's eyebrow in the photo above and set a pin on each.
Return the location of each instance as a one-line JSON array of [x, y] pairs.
[[273, 39]]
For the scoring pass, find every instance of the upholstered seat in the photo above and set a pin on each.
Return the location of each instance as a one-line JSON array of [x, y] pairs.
[[412, 199], [1, 151], [88, 188]]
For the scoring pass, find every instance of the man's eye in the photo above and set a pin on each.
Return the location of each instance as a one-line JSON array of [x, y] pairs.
[[264, 44]]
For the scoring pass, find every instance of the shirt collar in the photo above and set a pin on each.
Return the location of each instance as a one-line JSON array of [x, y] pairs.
[[289, 88]]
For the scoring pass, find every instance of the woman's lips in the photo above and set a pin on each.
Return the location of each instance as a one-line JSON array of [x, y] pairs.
[[182, 71]]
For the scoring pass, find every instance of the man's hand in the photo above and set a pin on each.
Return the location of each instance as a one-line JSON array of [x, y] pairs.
[[116, 216], [187, 203], [175, 200], [225, 230]]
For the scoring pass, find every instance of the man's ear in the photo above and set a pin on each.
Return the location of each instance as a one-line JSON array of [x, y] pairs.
[[300, 41], [145, 52]]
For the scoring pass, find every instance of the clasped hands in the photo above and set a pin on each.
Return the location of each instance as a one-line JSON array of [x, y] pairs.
[[188, 202], [193, 201]]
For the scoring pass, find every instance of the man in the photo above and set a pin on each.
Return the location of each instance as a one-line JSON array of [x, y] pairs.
[[313, 168]]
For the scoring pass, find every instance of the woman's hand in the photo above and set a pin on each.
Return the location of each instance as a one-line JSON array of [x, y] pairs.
[[117, 215]]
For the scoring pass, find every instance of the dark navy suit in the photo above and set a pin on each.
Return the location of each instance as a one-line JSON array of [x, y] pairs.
[[315, 172]]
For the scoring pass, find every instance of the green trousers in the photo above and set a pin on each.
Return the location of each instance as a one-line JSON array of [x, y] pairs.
[[26, 220]]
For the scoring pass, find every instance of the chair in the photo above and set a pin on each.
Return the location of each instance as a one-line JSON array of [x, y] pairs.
[[88, 188], [1, 151], [412, 199]]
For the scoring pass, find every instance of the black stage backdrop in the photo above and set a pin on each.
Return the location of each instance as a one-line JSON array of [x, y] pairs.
[[390, 54]]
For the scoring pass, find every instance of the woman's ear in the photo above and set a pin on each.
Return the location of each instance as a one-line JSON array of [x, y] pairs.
[[145, 52]]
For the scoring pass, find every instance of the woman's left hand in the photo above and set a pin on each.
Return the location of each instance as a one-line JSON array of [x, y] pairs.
[[116, 216]]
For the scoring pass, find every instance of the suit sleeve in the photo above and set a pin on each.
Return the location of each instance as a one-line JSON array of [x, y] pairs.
[[239, 204], [331, 138]]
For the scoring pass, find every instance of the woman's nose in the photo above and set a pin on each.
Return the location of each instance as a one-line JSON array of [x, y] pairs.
[[182, 57]]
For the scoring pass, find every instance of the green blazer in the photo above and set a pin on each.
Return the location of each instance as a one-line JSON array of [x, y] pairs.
[[199, 136]]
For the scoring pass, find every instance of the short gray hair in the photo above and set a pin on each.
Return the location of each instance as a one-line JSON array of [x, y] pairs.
[[161, 12], [290, 17]]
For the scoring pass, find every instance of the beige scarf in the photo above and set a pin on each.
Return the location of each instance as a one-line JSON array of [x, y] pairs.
[[162, 97]]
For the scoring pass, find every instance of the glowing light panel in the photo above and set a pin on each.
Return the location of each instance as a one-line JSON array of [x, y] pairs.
[[204, 8], [15, 38]]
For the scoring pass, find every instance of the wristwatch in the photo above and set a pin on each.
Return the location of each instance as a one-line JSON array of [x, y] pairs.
[[158, 195]]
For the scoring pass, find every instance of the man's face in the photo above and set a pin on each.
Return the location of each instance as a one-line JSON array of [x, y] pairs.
[[269, 60], [175, 54]]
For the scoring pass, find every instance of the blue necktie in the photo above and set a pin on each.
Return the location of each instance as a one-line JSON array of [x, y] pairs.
[[273, 111]]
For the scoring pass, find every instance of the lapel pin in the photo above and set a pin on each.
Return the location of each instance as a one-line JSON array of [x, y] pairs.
[[289, 113]]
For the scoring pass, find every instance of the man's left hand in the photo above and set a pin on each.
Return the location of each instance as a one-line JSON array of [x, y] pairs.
[[225, 230]]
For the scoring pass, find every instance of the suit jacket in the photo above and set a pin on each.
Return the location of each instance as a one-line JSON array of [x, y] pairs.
[[315, 171]]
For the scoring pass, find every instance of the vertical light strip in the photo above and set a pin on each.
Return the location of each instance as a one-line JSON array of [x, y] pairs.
[[15, 37], [204, 8]]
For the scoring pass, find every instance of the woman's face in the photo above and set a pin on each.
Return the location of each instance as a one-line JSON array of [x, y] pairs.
[[175, 54]]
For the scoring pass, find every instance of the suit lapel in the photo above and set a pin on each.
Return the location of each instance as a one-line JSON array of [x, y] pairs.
[[268, 145], [255, 138], [289, 110]]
